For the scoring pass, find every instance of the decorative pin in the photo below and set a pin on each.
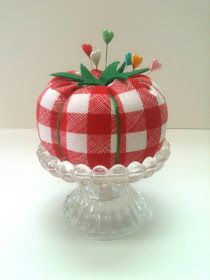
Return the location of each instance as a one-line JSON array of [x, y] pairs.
[[155, 65], [87, 48], [107, 36], [128, 58], [95, 56], [136, 60]]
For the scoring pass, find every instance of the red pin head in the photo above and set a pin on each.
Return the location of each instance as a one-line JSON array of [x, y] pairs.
[[87, 48]]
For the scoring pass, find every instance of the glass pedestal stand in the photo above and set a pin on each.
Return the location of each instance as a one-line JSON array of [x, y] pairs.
[[104, 205], [105, 210]]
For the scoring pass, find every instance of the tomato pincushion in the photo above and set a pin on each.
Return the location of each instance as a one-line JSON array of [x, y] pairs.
[[102, 117]]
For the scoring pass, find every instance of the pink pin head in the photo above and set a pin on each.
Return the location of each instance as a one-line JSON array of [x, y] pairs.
[[155, 65]]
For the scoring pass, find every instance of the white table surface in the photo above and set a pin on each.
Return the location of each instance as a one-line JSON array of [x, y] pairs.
[[35, 243]]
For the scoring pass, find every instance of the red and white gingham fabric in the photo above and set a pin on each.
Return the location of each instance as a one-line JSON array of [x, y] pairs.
[[83, 120]]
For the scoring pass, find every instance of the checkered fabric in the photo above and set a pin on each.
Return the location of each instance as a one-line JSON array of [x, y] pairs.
[[49, 106], [78, 124]]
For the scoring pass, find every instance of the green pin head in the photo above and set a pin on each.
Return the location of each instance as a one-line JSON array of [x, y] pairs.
[[107, 36]]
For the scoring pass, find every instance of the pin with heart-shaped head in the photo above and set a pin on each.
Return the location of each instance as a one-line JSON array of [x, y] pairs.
[[95, 56], [128, 58], [136, 60], [155, 65], [87, 48], [107, 36]]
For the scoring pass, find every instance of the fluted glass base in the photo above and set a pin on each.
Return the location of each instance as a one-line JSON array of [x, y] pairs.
[[104, 205], [105, 210]]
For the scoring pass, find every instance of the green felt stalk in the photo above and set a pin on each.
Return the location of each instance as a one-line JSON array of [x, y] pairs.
[[67, 75], [118, 128], [84, 83], [136, 72], [87, 76], [110, 70], [122, 67], [109, 74], [119, 76]]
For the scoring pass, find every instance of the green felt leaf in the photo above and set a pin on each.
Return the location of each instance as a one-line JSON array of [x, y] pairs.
[[110, 73], [110, 70], [67, 75], [119, 76], [135, 72], [88, 77], [122, 67], [85, 83]]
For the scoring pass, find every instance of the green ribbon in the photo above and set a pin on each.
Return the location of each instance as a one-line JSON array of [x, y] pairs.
[[58, 123], [117, 116]]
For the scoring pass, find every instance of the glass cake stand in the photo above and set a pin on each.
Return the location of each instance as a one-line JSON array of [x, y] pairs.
[[105, 205]]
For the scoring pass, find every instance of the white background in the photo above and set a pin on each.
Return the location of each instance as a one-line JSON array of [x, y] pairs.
[[44, 36]]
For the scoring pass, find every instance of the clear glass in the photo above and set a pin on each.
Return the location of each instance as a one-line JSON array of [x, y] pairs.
[[104, 205], [104, 210]]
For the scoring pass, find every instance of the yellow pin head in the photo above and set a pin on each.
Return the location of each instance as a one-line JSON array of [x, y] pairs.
[[136, 60]]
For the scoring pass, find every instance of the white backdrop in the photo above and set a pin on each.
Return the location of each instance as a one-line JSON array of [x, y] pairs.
[[44, 36]]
